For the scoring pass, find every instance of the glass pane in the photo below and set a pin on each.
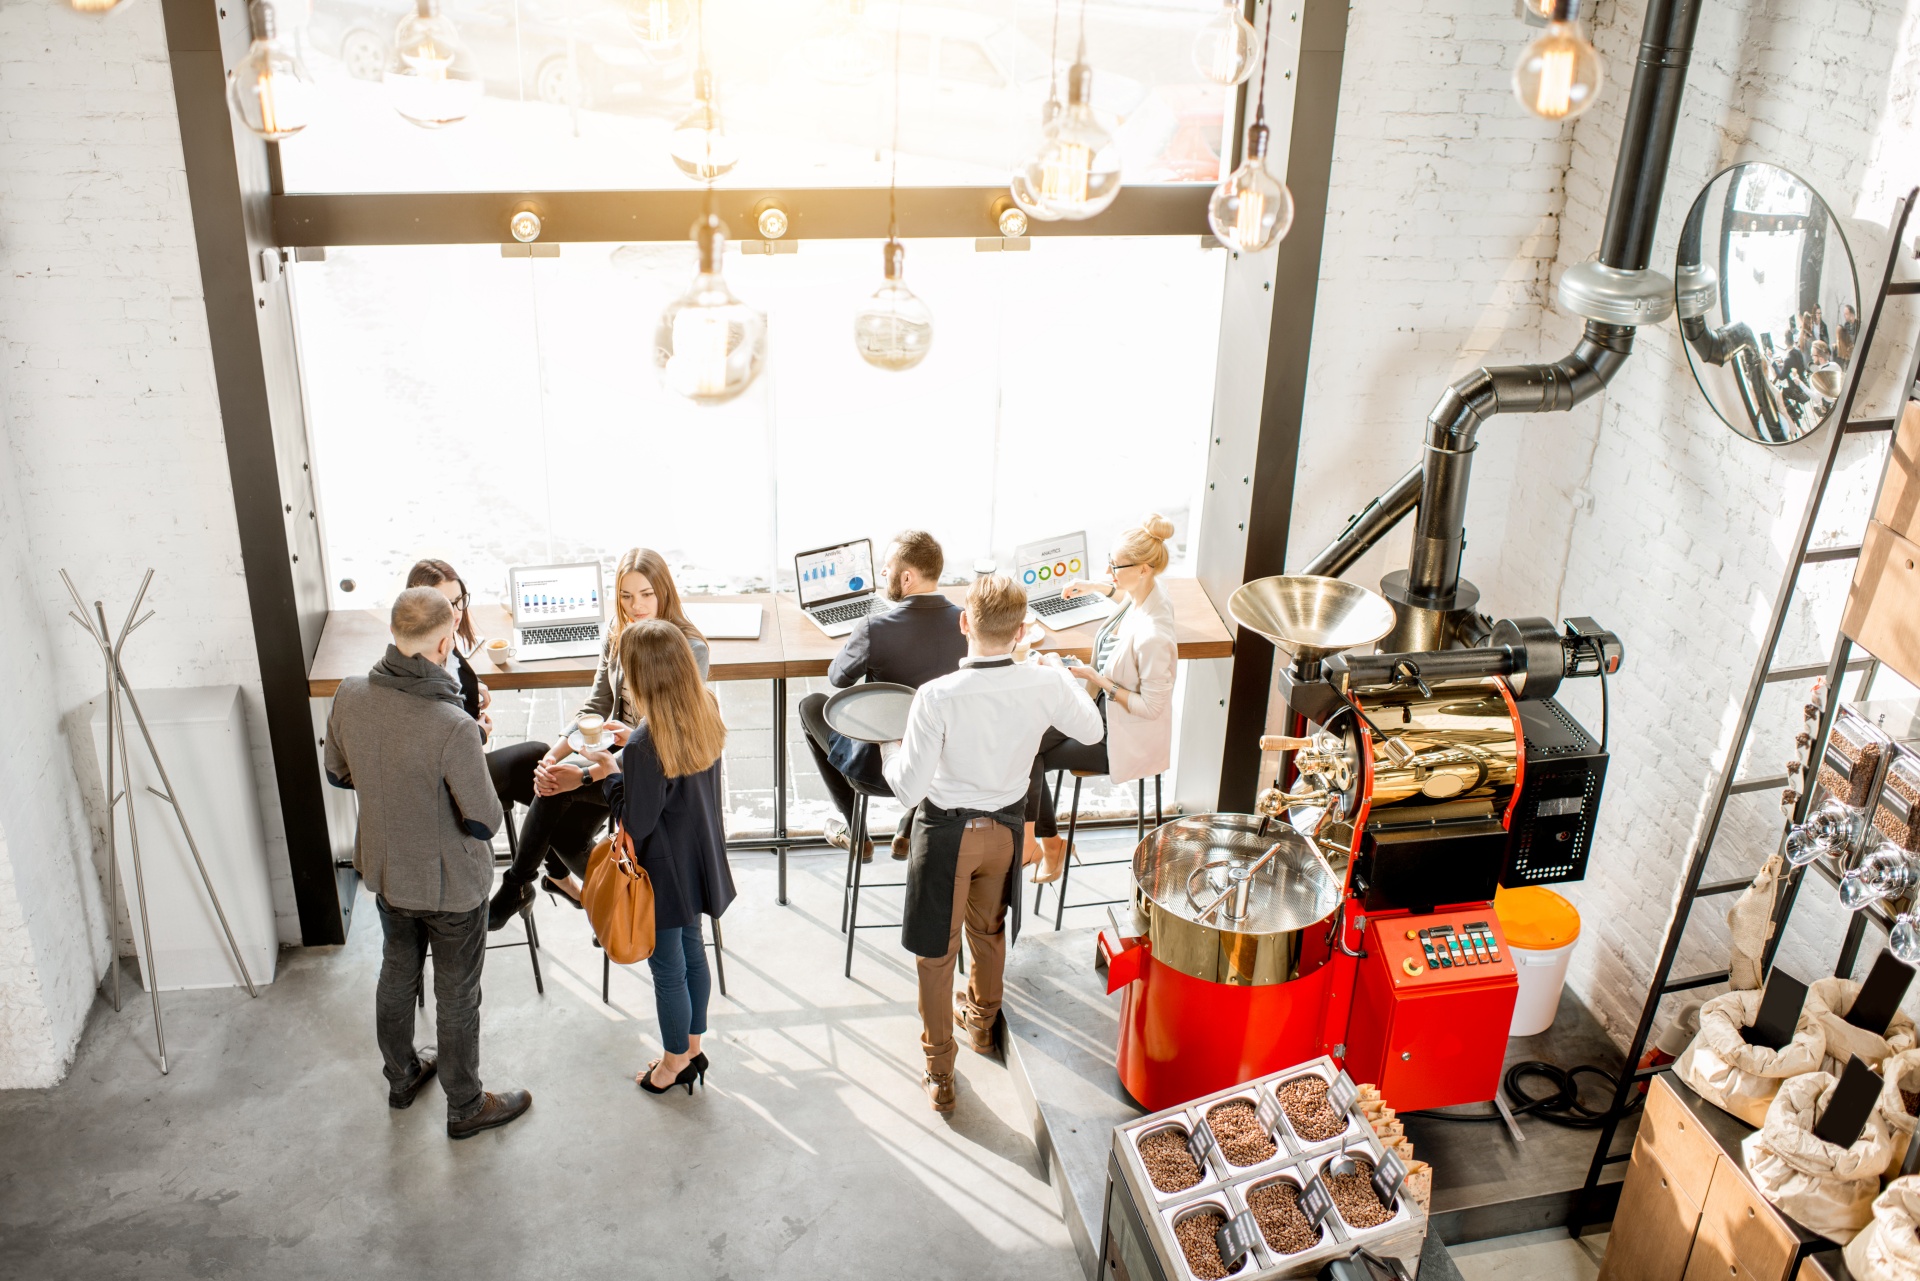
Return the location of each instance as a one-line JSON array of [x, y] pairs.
[[580, 95]]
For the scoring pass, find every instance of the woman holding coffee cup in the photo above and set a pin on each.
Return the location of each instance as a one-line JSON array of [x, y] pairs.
[[664, 791], [565, 815]]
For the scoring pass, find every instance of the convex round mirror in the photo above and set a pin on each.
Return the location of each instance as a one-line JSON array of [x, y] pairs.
[[1767, 299]]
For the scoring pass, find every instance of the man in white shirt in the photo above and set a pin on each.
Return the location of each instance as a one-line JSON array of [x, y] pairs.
[[966, 762]]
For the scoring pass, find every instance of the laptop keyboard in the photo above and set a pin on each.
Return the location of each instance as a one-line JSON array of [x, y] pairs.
[[566, 635], [1059, 605], [844, 612]]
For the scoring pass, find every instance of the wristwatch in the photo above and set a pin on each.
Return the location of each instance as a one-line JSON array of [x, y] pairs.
[[586, 774]]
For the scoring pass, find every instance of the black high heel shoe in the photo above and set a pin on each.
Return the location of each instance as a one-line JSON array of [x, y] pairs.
[[556, 890], [699, 1060], [687, 1076]]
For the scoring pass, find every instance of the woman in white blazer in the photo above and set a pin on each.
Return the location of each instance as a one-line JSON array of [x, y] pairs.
[[1131, 677]]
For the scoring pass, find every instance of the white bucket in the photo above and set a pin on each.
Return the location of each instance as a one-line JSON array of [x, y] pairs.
[[1542, 973]]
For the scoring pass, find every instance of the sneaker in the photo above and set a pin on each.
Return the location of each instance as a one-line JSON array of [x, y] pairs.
[[941, 1091], [495, 1109], [840, 837]]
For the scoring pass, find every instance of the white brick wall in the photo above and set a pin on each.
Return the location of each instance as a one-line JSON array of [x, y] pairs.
[[112, 423]]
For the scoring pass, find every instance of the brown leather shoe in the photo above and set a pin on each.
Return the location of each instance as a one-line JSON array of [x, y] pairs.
[[902, 846], [495, 1109], [840, 837], [979, 1034], [941, 1091], [403, 1096]]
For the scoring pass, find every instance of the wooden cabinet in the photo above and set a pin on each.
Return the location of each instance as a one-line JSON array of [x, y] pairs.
[[1654, 1226], [1676, 1136], [1741, 1234]]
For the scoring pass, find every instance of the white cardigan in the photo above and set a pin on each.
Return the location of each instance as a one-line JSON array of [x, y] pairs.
[[1145, 654]]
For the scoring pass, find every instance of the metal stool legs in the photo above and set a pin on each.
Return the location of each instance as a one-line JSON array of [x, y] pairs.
[[1066, 865], [719, 964], [857, 839], [1073, 825]]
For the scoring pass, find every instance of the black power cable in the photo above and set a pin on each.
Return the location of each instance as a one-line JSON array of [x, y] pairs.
[[1562, 1107]]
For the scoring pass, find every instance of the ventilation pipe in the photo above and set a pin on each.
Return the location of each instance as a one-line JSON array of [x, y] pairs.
[[1616, 293]]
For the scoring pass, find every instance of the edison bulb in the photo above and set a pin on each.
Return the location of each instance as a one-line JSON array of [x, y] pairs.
[[1227, 48], [92, 6], [269, 87], [1559, 75], [430, 78], [1076, 173], [894, 330], [1251, 209], [709, 346], [700, 143], [1022, 191]]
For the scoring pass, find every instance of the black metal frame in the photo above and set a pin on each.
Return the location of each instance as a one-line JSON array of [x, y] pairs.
[[1073, 832]]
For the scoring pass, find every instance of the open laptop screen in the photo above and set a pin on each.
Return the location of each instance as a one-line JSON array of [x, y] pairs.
[[833, 572], [556, 594], [1044, 569]]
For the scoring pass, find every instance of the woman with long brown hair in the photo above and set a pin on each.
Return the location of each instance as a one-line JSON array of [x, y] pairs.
[[664, 792], [564, 814]]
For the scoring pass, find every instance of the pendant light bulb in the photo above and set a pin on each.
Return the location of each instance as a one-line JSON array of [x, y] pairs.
[[700, 143], [710, 346], [269, 88], [430, 77], [1561, 74], [1076, 172], [1252, 209], [1021, 188], [92, 6], [894, 330], [1227, 48]]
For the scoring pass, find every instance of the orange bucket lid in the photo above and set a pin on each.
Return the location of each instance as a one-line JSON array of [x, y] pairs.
[[1534, 917]]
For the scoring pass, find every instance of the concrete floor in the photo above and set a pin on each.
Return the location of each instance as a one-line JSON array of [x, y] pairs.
[[269, 1151], [1534, 1256]]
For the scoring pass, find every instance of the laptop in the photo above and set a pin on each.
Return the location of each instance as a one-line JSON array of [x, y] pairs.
[[1045, 569], [556, 611], [836, 586]]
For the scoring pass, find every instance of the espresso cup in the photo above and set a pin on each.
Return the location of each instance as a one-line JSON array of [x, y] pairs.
[[590, 727]]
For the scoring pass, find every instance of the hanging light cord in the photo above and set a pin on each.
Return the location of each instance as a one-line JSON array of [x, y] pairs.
[[706, 88], [893, 166], [1266, 43], [1053, 58]]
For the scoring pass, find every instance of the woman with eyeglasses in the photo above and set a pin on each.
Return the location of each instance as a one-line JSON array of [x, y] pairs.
[[1131, 678]]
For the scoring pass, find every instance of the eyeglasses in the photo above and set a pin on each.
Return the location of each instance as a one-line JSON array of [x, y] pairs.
[[462, 601], [1132, 564]]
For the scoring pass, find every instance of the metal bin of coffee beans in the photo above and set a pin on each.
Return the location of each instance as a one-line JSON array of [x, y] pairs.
[[1271, 1178]]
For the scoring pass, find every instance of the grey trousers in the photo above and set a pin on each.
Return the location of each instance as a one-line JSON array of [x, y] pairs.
[[459, 943]]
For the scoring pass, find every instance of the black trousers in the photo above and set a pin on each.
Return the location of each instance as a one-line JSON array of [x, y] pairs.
[[813, 720], [459, 944], [558, 830], [1058, 752]]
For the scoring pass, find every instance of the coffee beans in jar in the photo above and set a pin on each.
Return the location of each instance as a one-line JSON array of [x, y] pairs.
[[1197, 1242], [1276, 1208], [1860, 748], [1304, 1100], [1353, 1194], [1169, 1164], [1236, 1127], [1903, 780]]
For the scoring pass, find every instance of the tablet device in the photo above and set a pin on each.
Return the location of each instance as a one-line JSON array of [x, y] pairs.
[[1852, 1103], [1880, 995], [1779, 1011]]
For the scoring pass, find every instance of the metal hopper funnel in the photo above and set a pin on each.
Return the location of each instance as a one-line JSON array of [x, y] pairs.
[[1311, 617]]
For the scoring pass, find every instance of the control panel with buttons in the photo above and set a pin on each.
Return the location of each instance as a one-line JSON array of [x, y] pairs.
[[1447, 948]]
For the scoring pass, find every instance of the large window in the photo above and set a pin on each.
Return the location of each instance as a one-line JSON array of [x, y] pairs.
[[502, 411], [579, 94]]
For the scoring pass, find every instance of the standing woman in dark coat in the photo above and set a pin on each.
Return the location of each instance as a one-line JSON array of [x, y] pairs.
[[665, 793]]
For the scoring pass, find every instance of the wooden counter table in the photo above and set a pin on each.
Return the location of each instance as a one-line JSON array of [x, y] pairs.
[[789, 646]]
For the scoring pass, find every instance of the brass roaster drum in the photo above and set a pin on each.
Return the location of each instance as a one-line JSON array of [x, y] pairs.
[[1255, 933]]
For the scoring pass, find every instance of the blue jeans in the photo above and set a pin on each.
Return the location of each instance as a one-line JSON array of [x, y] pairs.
[[681, 985]]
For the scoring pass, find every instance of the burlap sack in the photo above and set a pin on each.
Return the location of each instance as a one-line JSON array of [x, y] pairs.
[[1750, 925], [1727, 1072], [1888, 1248], [1900, 1070], [1828, 1000], [1827, 1188]]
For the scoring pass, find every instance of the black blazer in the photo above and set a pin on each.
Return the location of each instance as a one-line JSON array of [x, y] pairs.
[[916, 641], [676, 831]]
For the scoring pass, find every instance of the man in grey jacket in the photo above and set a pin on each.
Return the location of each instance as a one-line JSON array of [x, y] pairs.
[[401, 738]]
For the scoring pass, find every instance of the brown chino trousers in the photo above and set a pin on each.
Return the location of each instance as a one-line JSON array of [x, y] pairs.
[[980, 904]]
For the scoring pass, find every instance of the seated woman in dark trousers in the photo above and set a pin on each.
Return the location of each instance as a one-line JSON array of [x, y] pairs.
[[1134, 660], [664, 791], [564, 816]]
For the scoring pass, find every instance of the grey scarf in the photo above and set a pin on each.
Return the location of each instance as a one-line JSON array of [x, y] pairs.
[[413, 674]]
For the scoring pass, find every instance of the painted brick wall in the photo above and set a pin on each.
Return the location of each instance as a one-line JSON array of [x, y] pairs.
[[1645, 511], [113, 427]]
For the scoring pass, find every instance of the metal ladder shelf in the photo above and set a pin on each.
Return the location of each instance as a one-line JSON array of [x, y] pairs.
[[1765, 673]]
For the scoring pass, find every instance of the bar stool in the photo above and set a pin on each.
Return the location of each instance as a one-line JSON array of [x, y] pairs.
[[850, 894], [532, 941], [1073, 825], [719, 963]]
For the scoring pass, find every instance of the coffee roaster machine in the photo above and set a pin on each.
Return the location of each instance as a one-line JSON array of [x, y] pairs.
[[1352, 915]]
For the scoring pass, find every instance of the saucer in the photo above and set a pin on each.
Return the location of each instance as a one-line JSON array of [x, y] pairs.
[[577, 740]]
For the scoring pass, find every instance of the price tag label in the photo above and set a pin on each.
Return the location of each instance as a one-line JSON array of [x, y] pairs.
[[1236, 1239], [1268, 1114], [1199, 1143], [1342, 1093], [1315, 1201], [1387, 1178]]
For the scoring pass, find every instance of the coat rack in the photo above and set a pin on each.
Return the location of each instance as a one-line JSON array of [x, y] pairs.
[[118, 687]]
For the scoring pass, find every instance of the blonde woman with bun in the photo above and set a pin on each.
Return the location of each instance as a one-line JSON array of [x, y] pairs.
[[1131, 678]]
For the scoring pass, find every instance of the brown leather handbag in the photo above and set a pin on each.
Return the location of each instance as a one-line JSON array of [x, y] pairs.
[[619, 899]]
